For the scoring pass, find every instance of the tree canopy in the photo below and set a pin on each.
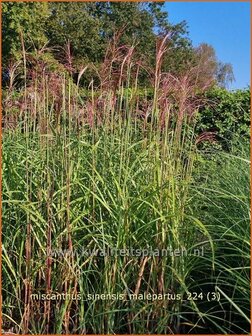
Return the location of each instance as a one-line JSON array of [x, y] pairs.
[[87, 28]]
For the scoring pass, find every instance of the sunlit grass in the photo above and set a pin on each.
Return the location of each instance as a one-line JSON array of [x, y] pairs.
[[109, 179]]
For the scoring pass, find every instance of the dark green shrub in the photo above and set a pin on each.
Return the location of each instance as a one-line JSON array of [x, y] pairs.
[[227, 114]]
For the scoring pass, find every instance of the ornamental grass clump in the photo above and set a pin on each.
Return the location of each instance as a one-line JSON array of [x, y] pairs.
[[99, 170]]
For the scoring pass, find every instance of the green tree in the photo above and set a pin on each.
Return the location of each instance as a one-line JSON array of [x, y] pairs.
[[211, 68], [224, 74], [89, 26], [74, 22], [22, 19]]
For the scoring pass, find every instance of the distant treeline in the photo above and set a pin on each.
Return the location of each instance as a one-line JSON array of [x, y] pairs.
[[72, 34]]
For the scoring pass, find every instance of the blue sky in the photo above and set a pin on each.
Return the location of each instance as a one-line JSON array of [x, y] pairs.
[[224, 25]]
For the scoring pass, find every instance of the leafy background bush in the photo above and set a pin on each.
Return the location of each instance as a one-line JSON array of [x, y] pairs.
[[227, 114]]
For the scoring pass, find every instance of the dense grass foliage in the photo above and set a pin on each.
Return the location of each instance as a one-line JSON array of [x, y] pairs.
[[115, 171], [223, 204], [107, 193]]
